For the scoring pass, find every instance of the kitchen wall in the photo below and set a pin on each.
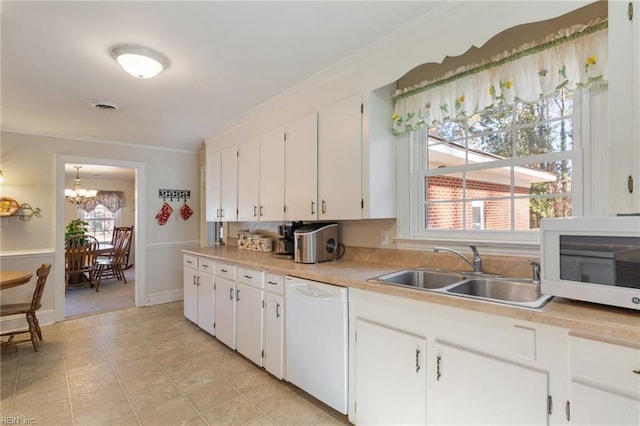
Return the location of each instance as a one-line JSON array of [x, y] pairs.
[[31, 165], [426, 39]]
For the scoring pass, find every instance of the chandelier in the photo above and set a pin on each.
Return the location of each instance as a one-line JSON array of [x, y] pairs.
[[78, 195]]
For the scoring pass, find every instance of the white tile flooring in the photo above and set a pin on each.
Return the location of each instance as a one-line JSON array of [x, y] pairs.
[[145, 366]]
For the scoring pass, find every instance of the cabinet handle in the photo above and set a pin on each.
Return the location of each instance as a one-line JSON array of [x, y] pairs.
[[438, 375], [237, 295], [249, 277], [217, 212], [272, 282], [261, 208], [277, 310], [230, 294], [205, 265], [567, 410], [221, 212], [255, 211], [324, 206], [224, 270], [198, 280], [636, 371], [189, 262], [313, 207], [417, 360], [194, 280]]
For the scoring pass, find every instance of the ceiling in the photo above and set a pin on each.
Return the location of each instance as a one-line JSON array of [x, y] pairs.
[[226, 59], [93, 171]]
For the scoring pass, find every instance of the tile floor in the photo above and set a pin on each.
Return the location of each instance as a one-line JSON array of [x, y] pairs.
[[145, 366]]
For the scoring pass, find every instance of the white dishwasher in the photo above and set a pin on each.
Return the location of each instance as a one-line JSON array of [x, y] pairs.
[[317, 332]]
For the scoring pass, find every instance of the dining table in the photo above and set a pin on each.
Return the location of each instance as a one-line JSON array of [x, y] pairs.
[[14, 278]]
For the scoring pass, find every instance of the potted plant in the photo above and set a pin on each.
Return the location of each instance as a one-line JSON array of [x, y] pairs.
[[75, 227]]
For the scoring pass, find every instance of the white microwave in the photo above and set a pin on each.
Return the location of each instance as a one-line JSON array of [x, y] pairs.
[[594, 259]]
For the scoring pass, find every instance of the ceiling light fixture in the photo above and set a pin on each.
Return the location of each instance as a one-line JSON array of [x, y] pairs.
[[77, 195], [139, 61]]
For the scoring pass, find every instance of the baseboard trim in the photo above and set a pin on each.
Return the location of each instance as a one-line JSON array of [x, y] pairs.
[[19, 322], [163, 297]]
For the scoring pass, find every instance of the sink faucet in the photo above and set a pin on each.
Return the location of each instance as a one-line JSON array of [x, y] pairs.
[[477, 261], [535, 271]]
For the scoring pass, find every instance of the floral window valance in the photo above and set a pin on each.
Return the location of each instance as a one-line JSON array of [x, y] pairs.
[[112, 200], [572, 58]]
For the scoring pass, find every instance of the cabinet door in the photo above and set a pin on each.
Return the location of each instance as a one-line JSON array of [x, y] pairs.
[[340, 160], [225, 311], [472, 388], [390, 376], [205, 302], [593, 406], [190, 294], [624, 130], [273, 332], [212, 186], [229, 184], [248, 177], [272, 175], [301, 169], [249, 322]]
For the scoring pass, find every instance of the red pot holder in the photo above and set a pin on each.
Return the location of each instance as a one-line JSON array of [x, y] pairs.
[[185, 211], [163, 214]]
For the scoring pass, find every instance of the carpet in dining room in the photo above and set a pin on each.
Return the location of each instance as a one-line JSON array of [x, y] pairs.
[[113, 295]]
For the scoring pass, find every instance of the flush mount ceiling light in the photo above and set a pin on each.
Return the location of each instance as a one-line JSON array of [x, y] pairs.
[[139, 61]]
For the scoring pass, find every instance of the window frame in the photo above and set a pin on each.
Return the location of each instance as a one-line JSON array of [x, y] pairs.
[[589, 126], [114, 218]]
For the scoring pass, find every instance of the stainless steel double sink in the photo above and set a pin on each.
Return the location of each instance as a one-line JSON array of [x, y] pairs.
[[510, 291]]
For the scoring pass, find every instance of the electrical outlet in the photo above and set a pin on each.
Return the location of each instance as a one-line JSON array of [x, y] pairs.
[[384, 238]]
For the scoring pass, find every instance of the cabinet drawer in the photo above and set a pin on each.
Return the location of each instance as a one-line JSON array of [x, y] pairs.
[[604, 362], [189, 261], [206, 265], [250, 277], [225, 270], [274, 283]]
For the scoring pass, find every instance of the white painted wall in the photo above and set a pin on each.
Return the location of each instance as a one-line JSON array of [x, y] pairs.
[[31, 166]]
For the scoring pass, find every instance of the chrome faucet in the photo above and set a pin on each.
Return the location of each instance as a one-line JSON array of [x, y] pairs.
[[477, 261], [535, 272]]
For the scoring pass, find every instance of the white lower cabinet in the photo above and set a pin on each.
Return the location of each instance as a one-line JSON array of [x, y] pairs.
[[225, 311], [273, 360], [198, 290], [391, 384], [249, 322], [605, 383], [472, 388]]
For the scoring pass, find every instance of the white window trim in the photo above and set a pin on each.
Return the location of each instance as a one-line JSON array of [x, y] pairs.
[[590, 136]]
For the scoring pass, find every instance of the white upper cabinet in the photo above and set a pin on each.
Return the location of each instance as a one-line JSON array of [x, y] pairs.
[[301, 169], [229, 184], [624, 107], [221, 184], [272, 169], [357, 158], [378, 155], [212, 186], [339, 160], [248, 180]]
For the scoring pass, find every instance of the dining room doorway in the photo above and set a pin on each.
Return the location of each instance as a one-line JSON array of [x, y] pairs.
[[107, 176]]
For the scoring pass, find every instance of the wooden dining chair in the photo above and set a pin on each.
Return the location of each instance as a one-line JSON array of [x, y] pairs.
[[81, 252], [120, 232], [114, 265], [30, 310]]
